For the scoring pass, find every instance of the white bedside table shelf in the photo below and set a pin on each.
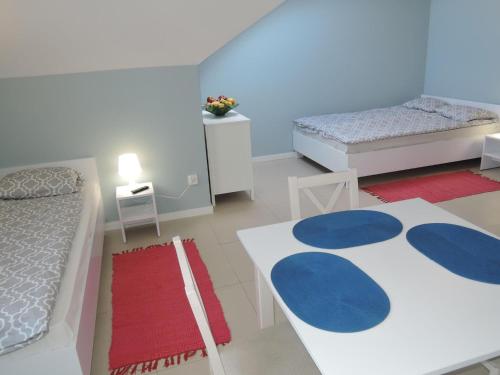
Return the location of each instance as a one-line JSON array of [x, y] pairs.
[[229, 153], [491, 152], [141, 209]]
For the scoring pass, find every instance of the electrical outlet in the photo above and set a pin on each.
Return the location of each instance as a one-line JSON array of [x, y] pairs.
[[192, 179]]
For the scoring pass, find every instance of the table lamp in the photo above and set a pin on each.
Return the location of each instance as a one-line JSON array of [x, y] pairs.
[[129, 167]]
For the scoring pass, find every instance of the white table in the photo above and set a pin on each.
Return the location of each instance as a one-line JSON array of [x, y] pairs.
[[438, 322], [134, 209]]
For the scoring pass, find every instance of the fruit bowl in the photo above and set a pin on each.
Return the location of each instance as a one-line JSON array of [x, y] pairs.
[[217, 111], [221, 106]]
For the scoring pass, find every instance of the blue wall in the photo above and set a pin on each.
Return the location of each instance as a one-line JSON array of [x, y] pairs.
[[154, 112], [464, 53], [320, 56]]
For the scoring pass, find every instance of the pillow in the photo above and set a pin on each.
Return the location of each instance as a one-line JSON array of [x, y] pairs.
[[464, 113], [425, 104], [39, 182]]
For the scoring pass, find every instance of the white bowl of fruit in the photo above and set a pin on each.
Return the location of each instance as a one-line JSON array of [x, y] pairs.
[[219, 106]]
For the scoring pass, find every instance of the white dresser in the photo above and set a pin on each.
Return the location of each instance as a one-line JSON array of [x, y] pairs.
[[229, 153]]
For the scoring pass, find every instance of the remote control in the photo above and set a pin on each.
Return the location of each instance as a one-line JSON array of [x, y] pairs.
[[139, 189]]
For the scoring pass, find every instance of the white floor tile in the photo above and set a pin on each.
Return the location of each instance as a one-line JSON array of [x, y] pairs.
[[192, 367], [102, 342], [221, 272], [239, 260], [234, 214], [239, 313]]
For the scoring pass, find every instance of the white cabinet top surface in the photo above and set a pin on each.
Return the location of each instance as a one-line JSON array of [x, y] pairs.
[[229, 118]]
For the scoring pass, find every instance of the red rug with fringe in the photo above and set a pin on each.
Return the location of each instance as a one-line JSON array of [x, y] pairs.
[[437, 188], [153, 325]]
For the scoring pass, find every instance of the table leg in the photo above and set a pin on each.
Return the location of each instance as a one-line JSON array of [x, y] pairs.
[[158, 227], [124, 237], [265, 302]]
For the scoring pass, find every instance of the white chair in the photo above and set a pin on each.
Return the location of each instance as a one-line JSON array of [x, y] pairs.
[[347, 179], [195, 301], [274, 351]]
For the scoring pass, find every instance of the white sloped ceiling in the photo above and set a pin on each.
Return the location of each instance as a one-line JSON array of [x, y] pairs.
[[42, 37]]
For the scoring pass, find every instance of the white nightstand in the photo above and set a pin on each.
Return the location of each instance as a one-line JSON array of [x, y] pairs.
[[491, 152], [134, 209]]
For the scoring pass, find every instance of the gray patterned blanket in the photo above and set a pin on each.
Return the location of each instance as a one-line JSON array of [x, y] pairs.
[[378, 124], [35, 239]]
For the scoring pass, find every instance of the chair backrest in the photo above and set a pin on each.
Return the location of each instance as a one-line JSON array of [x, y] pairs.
[[196, 303], [347, 179]]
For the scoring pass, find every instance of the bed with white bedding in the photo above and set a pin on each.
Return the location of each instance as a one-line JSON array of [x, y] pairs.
[[395, 138], [71, 228]]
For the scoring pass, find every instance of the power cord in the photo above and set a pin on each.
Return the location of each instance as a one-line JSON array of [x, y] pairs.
[[177, 197]]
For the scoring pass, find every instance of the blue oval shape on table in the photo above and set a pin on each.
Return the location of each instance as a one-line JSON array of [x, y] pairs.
[[340, 230], [329, 292], [462, 251]]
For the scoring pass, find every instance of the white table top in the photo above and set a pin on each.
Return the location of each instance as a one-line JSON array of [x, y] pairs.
[[438, 321], [125, 192]]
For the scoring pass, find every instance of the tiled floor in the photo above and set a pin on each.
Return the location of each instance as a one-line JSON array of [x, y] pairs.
[[232, 271]]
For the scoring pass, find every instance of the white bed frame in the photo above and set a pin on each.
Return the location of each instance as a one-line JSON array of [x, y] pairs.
[[67, 348], [394, 159]]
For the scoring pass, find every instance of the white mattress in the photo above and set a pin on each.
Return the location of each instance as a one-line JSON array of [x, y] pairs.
[[406, 140], [65, 319]]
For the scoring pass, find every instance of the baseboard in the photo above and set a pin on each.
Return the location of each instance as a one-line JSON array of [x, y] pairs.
[[286, 155], [169, 216]]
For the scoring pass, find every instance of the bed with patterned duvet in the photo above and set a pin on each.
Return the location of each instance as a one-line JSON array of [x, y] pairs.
[[420, 116], [39, 214]]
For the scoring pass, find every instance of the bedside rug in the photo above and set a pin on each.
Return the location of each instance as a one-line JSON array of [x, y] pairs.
[[153, 325], [434, 189]]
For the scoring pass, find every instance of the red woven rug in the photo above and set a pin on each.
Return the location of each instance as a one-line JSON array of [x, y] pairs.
[[438, 188], [153, 325]]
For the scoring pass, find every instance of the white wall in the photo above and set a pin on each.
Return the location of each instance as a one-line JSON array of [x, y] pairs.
[[320, 56], [154, 112], [463, 58], [43, 37]]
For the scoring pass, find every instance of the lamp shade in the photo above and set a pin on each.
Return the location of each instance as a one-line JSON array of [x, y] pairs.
[[129, 167]]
